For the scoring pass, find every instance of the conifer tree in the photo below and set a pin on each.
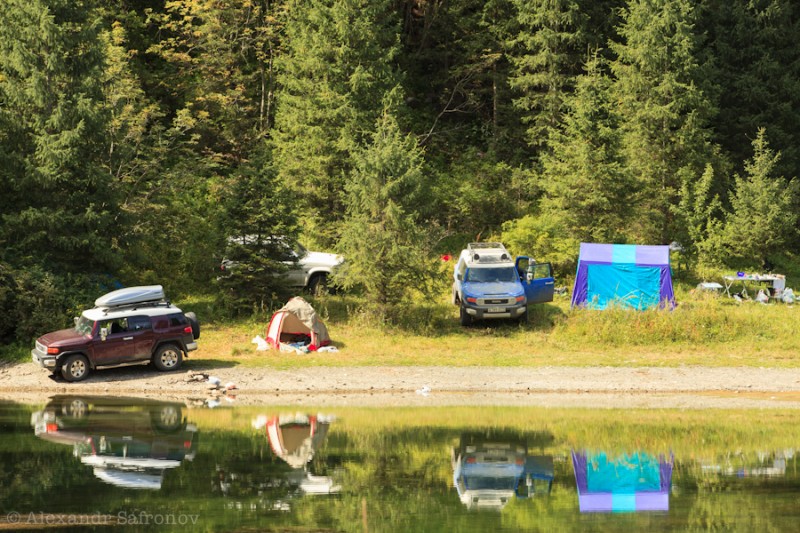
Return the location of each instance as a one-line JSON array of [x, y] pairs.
[[383, 239], [756, 61], [261, 227], [547, 63], [664, 112], [58, 204], [583, 177], [584, 183], [762, 220], [338, 62]]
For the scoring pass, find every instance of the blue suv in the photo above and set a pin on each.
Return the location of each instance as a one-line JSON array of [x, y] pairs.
[[488, 283]]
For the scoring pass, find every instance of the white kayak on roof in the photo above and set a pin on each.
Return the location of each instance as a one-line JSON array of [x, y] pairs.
[[131, 296]]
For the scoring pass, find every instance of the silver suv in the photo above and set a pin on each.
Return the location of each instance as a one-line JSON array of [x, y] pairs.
[[306, 269]]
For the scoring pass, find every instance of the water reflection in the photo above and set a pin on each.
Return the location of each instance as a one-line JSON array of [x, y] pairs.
[[490, 469], [761, 464], [128, 442], [295, 439], [400, 470], [623, 482]]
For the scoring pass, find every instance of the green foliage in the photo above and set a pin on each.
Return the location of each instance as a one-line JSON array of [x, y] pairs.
[[136, 137], [549, 39], [382, 238], [701, 210], [664, 112], [262, 226], [763, 219], [542, 237], [755, 65], [34, 301], [475, 195], [337, 65], [58, 204], [586, 186]]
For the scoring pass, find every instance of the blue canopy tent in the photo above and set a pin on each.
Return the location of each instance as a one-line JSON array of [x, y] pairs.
[[627, 483], [625, 275]]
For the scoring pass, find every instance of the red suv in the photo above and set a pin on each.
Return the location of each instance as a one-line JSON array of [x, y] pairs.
[[132, 325]]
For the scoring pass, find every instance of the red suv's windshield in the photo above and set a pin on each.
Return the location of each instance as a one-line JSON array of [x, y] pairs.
[[84, 326]]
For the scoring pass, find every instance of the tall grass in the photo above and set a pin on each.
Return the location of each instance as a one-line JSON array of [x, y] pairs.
[[699, 322], [702, 330]]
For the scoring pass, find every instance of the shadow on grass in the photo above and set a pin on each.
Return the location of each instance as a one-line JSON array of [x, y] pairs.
[[431, 319]]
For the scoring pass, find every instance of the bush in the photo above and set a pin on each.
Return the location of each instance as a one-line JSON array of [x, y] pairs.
[[34, 301]]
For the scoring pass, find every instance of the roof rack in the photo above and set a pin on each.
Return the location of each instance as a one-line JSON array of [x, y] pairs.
[[134, 306], [486, 245], [488, 252]]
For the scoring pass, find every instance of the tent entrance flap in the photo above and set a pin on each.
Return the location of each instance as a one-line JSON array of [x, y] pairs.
[[622, 284]]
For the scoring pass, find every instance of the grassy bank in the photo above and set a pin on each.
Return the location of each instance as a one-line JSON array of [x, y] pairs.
[[702, 330]]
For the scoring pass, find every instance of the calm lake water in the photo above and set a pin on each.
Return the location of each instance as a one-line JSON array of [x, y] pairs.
[[99, 463]]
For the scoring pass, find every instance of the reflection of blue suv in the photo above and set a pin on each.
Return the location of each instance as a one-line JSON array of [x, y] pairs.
[[488, 283]]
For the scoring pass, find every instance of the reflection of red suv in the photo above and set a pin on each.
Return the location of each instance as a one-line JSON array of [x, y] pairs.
[[136, 324], [129, 442]]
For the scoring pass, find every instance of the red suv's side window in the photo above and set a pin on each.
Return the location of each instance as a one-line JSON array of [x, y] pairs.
[[177, 320], [139, 323]]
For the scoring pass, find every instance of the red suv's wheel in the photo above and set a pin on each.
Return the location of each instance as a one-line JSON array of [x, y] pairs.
[[75, 368], [167, 357]]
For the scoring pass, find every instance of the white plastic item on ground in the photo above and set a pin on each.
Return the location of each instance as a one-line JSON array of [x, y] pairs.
[[788, 296], [762, 297], [424, 391], [214, 380], [261, 344], [328, 349]]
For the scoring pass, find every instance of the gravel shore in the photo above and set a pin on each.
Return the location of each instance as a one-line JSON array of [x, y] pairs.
[[592, 387]]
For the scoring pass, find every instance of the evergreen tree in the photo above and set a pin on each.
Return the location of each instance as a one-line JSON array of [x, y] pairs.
[[548, 62], [338, 63], [584, 183], [58, 204], [762, 220], [262, 228], [583, 177], [757, 62], [702, 211], [382, 237], [664, 112]]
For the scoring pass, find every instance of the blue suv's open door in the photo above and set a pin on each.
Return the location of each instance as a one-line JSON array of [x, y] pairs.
[[537, 278]]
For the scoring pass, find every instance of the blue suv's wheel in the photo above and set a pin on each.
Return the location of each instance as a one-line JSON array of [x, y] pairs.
[[466, 320]]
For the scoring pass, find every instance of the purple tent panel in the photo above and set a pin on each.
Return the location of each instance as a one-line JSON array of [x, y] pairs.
[[648, 256], [624, 500]]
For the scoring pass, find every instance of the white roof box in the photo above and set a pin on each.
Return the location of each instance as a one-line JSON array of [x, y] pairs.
[[131, 296]]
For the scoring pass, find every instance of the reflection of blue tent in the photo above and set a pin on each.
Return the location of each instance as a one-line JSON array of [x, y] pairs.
[[635, 482], [623, 274]]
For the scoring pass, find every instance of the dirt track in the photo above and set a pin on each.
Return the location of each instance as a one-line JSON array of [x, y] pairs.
[[597, 387]]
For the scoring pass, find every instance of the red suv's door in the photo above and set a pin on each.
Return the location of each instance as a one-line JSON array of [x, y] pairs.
[[117, 347], [141, 329]]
